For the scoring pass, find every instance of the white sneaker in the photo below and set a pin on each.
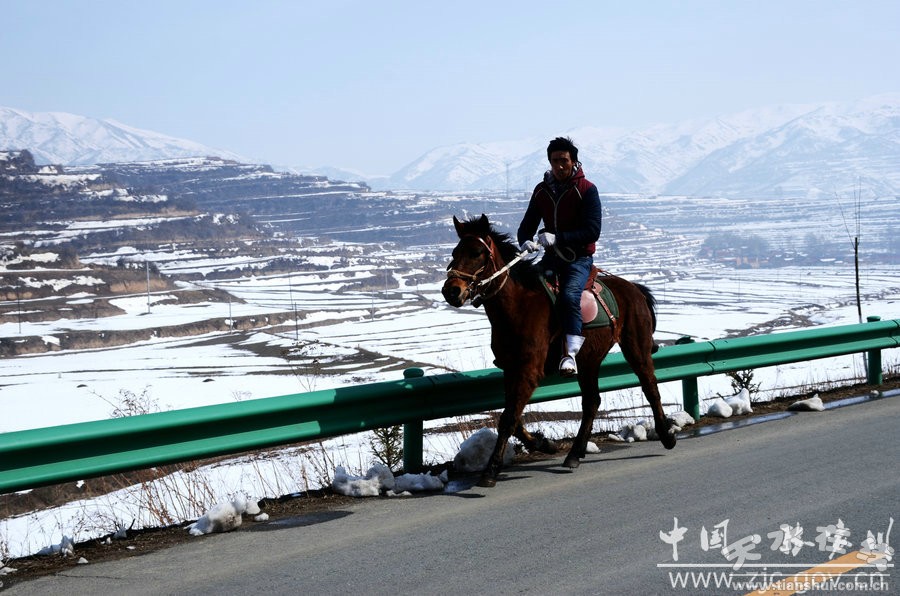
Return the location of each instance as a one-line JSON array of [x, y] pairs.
[[567, 367]]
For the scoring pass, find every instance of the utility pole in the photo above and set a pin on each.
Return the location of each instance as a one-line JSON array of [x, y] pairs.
[[293, 306], [856, 265], [854, 240], [19, 309], [856, 250], [865, 355], [507, 180], [147, 267]]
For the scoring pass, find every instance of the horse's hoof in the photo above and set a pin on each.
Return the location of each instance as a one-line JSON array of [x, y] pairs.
[[668, 440], [546, 446], [487, 482], [666, 436], [571, 463]]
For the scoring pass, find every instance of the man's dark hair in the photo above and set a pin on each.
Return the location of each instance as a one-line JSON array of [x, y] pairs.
[[563, 144]]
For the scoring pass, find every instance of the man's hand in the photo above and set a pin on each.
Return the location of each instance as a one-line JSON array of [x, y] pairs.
[[529, 246], [546, 239]]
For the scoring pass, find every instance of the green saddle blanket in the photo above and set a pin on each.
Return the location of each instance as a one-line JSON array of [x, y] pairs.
[[596, 292]]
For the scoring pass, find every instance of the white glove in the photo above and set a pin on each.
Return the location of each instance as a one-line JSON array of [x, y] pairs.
[[546, 239], [529, 246]]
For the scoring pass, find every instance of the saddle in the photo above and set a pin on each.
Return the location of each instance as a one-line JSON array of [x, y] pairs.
[[598, 305]]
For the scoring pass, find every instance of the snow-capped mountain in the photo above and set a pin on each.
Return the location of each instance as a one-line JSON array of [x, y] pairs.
[[782, 151], [69, 139], [792, 150]]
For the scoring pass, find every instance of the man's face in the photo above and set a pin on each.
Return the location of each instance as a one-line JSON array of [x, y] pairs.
[[561, 165]]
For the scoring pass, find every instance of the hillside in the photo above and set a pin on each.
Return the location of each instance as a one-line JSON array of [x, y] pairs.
[[76, 241]]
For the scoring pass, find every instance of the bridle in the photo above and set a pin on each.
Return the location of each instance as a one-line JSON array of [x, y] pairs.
[[476, 287]]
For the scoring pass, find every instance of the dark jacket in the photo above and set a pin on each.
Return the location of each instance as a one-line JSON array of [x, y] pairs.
[[569, 209]]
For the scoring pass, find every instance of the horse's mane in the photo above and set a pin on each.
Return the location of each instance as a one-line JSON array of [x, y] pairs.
[[525, 272]]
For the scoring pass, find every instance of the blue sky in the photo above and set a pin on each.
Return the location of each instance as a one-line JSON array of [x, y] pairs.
[[373, 85]]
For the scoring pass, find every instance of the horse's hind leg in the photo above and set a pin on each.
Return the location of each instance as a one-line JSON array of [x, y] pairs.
[[637, 349]]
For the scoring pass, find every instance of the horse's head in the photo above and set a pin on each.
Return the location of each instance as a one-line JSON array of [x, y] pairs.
[[473, 261]]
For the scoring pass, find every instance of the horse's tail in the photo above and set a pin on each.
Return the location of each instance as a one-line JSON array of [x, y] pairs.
[[651, 302]]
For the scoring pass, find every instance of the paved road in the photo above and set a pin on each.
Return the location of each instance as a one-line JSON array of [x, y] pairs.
[[543, 530]]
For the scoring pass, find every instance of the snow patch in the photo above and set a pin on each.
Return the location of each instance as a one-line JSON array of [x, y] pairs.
[[223, 517], [475, 451], [813, 404], [66, 548], [379, 478], [720, 409], [740, 403]]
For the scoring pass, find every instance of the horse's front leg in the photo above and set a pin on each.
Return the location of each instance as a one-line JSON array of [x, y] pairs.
[[535, 441], [505, 427], [519, 388]]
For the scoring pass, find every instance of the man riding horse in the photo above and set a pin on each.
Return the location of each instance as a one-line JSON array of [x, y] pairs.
[[569, 205]]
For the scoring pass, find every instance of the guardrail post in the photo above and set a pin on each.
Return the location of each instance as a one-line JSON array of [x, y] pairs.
[[873, 372], [690, 395], [413, 433]]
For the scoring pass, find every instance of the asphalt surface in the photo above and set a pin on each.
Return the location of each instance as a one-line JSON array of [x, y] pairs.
[[546, 530]]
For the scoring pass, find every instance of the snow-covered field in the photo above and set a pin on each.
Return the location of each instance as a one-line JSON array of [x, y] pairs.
[[366, 336], [350, 337]]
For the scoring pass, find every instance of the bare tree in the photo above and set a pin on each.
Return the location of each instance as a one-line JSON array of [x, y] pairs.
[[854, 239]]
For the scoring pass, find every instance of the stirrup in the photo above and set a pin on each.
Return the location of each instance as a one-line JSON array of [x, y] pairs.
[[567, 366]]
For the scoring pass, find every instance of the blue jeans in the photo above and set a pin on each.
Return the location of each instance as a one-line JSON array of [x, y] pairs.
[[572, 278]]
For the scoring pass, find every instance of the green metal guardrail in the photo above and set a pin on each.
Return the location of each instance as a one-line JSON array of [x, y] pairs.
[[44, 456]]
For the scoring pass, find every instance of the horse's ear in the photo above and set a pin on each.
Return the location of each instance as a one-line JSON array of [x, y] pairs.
[[484, 225], [459, 227]]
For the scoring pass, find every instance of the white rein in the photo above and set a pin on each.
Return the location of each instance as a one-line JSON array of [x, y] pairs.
[[503, 269]]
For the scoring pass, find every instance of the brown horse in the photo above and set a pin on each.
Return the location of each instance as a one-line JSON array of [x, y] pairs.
[[524, 327]]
